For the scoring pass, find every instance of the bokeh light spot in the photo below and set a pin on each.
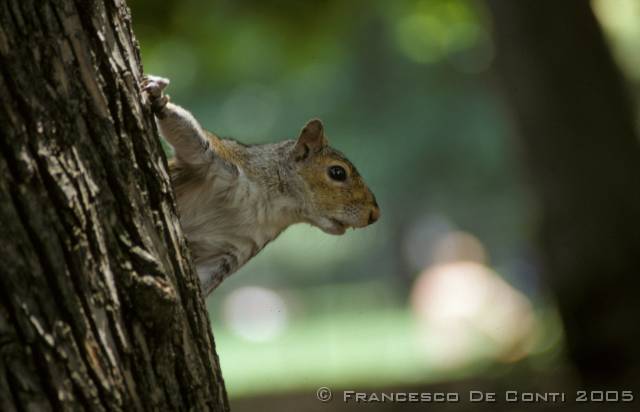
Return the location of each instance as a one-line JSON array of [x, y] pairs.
[[256, 314]]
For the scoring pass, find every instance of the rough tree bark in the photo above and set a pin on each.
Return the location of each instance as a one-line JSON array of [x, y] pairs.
[[582, 153], [99, 306]]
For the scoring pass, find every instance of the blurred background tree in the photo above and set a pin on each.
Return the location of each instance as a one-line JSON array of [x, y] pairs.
[[448, 284], [580, 145]]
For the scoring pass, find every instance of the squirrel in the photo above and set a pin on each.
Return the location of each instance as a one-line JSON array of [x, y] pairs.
[[233, 199]]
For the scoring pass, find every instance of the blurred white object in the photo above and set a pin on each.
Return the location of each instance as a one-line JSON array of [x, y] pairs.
[[256, 314], [459, 303]]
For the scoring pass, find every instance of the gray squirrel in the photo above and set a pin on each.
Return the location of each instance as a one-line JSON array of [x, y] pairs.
[[233, 199]]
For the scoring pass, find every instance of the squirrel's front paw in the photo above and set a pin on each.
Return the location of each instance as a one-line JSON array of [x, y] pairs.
[[154, 87]]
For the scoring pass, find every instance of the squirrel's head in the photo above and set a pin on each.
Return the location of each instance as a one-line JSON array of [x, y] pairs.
[[337, 197]]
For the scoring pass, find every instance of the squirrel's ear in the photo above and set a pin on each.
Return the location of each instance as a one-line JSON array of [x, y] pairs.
[[311, 140]]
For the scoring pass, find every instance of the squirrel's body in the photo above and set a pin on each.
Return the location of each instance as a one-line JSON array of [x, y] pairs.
[[230, 217], [234, 199]]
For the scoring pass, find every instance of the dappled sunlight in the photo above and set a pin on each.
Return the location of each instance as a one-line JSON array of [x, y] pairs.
[[256, 314], [466, 311], [421, 37], [459, 246], [620, 19], [459, 304], [436, 30]]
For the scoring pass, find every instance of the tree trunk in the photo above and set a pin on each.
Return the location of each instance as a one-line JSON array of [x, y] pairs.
[[100, 309], [581, 150]]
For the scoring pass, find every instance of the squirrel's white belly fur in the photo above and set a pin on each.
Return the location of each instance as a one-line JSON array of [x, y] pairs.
[[227, 220]]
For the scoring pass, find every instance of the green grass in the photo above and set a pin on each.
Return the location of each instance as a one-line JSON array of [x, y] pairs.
[[337, 350]]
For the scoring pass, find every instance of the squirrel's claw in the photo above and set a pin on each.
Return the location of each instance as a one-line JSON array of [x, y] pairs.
[[154, 87], [161, 81]]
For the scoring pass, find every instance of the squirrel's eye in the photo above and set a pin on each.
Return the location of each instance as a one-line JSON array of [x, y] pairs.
[[338, 173]]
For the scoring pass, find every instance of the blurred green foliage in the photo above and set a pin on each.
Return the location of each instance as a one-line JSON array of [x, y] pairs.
[[405, 90]]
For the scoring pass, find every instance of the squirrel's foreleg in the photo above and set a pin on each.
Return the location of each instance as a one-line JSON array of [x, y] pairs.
[[177, 125], [213, 272]]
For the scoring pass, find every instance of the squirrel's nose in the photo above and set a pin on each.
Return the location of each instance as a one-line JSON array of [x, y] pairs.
[[374, 215]]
